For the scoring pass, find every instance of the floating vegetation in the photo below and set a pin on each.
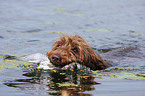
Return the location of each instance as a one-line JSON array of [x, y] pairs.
[[132, 31], [127, 69], [131, 76], [79, 14], [100, 74], [12, 64], [123, 74], [57, 32], [60, 9], [4, 52], [141, 74], [66, 84], [120, 73], [6, 66], [98, 30], [63, 10]]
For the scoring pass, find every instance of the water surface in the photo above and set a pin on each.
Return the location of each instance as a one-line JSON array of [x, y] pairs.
[[32, 26]]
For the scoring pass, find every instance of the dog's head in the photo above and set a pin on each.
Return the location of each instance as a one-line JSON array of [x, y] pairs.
[[69, 49]]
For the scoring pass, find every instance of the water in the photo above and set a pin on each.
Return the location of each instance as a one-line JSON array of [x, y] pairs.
[[32, 26]]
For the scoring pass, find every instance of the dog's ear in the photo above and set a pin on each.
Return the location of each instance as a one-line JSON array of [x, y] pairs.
[[96, 62], [88, 57], [93, 60]]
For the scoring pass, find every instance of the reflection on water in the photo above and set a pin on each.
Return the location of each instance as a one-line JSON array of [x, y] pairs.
[[56, 82]]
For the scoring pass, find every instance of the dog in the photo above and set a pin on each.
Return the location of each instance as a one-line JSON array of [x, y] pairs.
[[68, 49]]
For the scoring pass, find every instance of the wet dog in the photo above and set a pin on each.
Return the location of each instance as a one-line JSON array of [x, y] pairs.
[[69, 49]]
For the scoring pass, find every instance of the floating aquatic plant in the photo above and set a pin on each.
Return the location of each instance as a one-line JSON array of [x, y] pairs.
[[131, 76], [99, 30]]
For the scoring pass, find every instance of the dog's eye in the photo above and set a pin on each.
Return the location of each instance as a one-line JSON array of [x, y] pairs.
[[59, 45], [75, 50]]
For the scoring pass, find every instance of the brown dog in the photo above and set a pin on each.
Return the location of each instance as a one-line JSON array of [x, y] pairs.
[[69, 49]]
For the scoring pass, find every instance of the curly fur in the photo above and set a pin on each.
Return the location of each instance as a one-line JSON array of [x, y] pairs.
[[69, 49]]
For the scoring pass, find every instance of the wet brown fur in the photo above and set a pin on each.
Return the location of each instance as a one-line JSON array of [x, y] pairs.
[[75, 49]]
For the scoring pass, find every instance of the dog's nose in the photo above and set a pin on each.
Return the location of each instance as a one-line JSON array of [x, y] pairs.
[[56, 59]]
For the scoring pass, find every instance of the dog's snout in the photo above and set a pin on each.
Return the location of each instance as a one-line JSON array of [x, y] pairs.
[[56, 59]]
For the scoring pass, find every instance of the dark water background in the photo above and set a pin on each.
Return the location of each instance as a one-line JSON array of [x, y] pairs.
[[32, 26]]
